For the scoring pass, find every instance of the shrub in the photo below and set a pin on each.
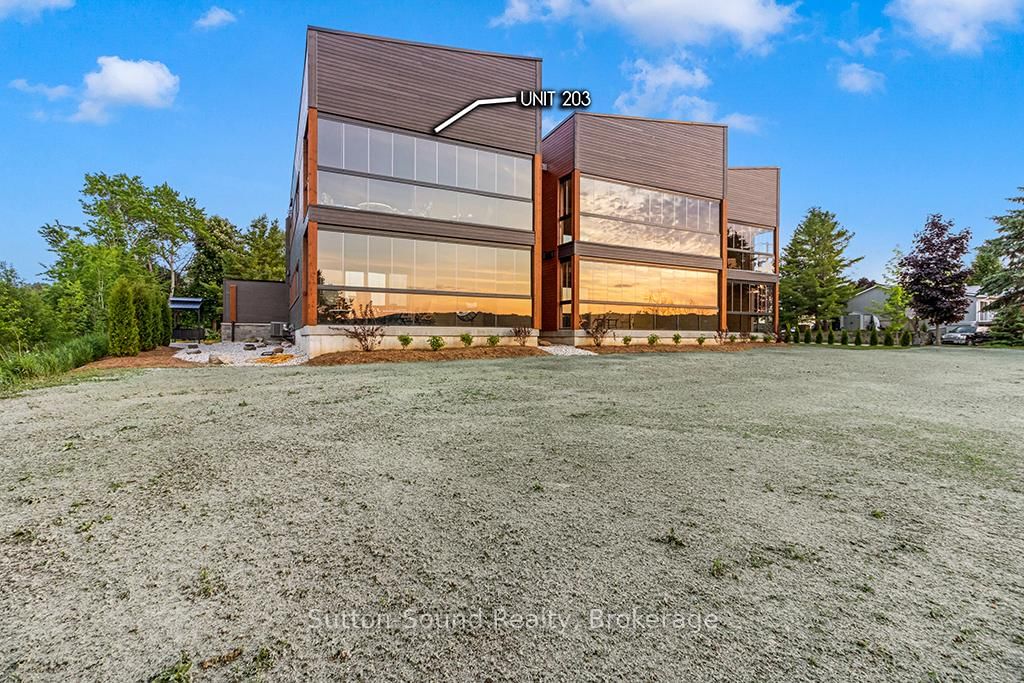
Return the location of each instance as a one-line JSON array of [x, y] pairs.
[[768, 338], [652, 339], [168, 321], [732, 338], [818, 339], [700, 340], [754, 338], [905, 338], [122, 325], [794, 337], [364, 328], [405, 340], [148, 334], [873, 339], [156, 313], [597, 328], [807, 336], [844, 338], [521, 334], [831, 337], [677, 339], [493, 340], [627, 340], [857, 340], [721, 336], [16, 368], [436, 343], [466, 338], [888, 340]]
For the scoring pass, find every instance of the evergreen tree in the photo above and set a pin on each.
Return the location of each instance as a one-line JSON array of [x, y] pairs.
[[814, 264], [986, 263], [156, 313], [857, 340], [1008, 283], [873, 339], [1008, 327], [122, 325], [934, 274], [168, 321], [844, 338], [807, 336], [818, 339], [887, 340], [905, 338], [143, 300], [831, 337], [263, 251]]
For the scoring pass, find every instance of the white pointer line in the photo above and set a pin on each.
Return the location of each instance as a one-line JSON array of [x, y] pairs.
[[478, 103]]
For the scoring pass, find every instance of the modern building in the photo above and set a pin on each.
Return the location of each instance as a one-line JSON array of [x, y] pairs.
[[437, 232], [646, 227]]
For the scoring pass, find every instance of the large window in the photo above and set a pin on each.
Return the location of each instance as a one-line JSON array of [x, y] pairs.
[[751, 307], [392, 308], [626, 215], [386, 196], [648, 297], [379, 262], [369, 169], [751, 248]]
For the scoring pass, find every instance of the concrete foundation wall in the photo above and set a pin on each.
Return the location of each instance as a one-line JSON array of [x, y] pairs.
[[244, 331], [614, 338], [317, 340]]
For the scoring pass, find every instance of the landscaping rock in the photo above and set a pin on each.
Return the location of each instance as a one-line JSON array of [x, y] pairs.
[[278, 349], [249, 347], [193, 346], [269, 352], [215, 360], [543, 342], [193, 352]]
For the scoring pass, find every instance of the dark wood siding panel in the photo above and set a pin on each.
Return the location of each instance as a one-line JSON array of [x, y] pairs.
[[748, 276], [257, 301], [674, 156], [416, 87], [417, 226], [559, 148], [754, 195], [648, 256]]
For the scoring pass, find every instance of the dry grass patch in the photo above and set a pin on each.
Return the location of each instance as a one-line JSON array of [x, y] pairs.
[[662, 347], [415, 355], [160, 357]]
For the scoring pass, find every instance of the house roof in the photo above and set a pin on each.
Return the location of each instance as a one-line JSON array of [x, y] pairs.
[[185, 303]]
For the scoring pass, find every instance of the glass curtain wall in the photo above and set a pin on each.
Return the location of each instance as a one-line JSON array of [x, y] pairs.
[[751, 307], [627, 215], [368, 169], [636, 297], [751, 248]]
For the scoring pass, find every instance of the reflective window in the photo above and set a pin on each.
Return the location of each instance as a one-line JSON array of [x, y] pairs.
[[439, 310], [625, 317], [625, 215], [652, 285], [751, 307], [355, 260], [386, 196], [751, 248], [353, 147]]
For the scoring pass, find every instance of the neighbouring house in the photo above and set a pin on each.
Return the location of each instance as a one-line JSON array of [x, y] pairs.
[[646, 228], [864, 309], [436, 231], [979, 309]]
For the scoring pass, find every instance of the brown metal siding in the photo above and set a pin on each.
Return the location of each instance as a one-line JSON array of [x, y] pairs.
[[675, 156], [754, 195], [559, 148], [256, 301], [329, 215], [415, 87]]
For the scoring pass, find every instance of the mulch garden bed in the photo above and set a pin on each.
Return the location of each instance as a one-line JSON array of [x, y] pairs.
[[160, 357], [672, 348], [414, 355]]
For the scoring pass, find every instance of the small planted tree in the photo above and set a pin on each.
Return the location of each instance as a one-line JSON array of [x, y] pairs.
[[156, 316], [652, 339], [122, 325], [627, 340], [144, 317], [873, 339], [700, 340], [858, 340], [807, 336], [521, 334], [365, 328], [677, 339], [831, 338], [818, 339], [436, 343], [597, 327], [493, 340], [466, 338], [405, 340], [905, 338], [887, 339], [844, 338]]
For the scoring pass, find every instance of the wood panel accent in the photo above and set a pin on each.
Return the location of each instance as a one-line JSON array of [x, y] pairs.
[[549, 243], [672, 155], [232, 303], [414, 86], [651, 257], [575, 208], [538, 233], [559, 148], [754, 195], [309, 301], [417, 227], [311, 160], [575, 293], [723, 279]]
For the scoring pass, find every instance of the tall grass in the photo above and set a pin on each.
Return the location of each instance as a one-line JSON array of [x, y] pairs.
[[17, 368]]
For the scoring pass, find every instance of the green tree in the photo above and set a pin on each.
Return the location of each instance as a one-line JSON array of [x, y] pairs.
[[122, 325], [26, 319], [1008, 327], [934, 274], [156, 313], [71, 307], [1007, 284], [262, 255], [813, 281], [143, 301], [986, 263], [218, 252], [168, 322]]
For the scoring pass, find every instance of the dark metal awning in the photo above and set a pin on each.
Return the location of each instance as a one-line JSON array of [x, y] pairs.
[[185, 303]]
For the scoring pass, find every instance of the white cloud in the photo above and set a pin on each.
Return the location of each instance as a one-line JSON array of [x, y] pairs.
[[215, 17], [957, 25], [866, 45], [50, 92], [857, 78], [653, 86], [681, 22], [30, 9], [693, 108], [121, 82]]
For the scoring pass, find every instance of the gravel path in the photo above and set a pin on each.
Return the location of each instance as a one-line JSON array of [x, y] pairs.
[[783, 514], [565, 350], [234, 353]]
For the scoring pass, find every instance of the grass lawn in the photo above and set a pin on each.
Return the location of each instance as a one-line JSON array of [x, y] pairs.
[[786, 513]]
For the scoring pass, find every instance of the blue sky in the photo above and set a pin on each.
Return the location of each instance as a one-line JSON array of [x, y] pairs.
[[882, 112]]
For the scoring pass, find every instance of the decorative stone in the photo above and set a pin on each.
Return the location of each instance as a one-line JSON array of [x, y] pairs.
[[249, 347], [193, 352], [215, 360], [268, 353], [193, 346], [543, 342], [277, 349]]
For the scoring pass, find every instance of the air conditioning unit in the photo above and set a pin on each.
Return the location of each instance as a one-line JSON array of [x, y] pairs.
[[278, 329]]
